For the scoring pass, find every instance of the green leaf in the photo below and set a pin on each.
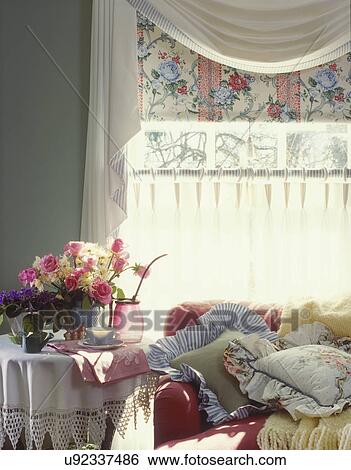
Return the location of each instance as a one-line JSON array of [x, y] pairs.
[[28, 325], [339, 90], [15, 339], [329, 94], [13, 310], [155, 74], [32, 323], [120, 294], [1, 318], [182, 82], [312, 82], [172, 87], [86, 302]]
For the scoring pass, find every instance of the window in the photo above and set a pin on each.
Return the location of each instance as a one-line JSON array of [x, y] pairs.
[[214, 146]]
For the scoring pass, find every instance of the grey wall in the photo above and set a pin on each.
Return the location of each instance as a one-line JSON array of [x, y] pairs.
[[42, 128]]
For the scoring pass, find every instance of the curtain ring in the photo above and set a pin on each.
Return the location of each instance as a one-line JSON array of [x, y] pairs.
[[240, 175], [153, 173], [345, 173], [304, 174], [268, 173], [174, 174]]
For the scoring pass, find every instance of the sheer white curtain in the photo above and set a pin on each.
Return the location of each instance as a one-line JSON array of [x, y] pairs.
[[113, 117], [249, 252], [231, 237]]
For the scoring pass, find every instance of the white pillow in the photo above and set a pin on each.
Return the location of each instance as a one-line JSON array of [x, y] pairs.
[[310, 380]]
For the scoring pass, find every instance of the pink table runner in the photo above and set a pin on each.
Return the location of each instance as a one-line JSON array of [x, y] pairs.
[[105, 367]]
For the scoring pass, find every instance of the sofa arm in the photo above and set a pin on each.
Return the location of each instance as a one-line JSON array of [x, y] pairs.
[[176, 414]]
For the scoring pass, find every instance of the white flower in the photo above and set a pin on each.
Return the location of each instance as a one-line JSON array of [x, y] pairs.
[[143, 51], [314, 93], [38, 284], [156, 84], [36, 263], [93, 250]]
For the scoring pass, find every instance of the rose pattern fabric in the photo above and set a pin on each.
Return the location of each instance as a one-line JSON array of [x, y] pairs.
[[307, 372], [176, 83]]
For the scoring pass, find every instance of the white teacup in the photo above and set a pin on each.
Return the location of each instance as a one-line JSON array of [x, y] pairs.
[[100, 336]]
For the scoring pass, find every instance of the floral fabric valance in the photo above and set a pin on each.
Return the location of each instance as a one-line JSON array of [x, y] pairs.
[[178, 84]]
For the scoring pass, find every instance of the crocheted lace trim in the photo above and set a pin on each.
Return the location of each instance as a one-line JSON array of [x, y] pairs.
[[77, 426]]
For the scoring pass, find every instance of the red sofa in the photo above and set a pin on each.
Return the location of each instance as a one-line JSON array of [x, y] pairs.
[[178, 423]]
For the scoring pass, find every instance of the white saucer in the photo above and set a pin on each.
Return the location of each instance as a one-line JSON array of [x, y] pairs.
[[117, 344]]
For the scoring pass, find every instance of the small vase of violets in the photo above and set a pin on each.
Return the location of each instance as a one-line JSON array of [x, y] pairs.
[[24, 307]]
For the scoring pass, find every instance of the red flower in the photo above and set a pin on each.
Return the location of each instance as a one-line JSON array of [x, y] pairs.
[[237, 82], [274, 110], [182, 90], [339, 97], [162, 55], [176, 59], [333, 67]]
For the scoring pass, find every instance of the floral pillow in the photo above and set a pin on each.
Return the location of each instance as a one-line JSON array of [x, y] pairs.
[[309, 380]]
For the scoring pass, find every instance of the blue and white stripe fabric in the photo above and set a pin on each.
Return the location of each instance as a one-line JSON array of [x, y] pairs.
[[237, 317], [211, 325]]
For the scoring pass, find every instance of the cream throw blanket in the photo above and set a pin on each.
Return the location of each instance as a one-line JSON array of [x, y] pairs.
[[335, 314], [281, 432]]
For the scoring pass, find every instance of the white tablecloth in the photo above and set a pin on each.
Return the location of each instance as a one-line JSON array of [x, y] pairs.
[[45, 393]]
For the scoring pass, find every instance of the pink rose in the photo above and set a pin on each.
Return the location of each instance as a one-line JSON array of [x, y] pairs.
[[77, 273], [101, 291], [27, 276], [118, 264], [182, 90], [89, 263], [141, 270], [49, 263], [237, 82], [274, 111], [73, 248], [117, 245], [71, 282]]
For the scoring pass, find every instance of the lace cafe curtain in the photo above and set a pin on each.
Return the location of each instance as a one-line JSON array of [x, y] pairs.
[[241, 177]]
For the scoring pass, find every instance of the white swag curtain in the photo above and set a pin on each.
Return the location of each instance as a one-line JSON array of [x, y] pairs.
[[217, 248]]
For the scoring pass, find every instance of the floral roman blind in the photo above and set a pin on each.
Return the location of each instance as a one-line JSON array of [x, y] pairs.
[[177, 84]]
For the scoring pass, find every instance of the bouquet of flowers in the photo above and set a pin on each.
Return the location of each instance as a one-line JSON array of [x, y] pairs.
[[85, 273]]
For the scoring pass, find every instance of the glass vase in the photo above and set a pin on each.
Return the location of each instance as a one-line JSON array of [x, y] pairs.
[[126, 317], [16, 323]]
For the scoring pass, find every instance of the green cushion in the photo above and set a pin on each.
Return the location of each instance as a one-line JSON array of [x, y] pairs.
[[209, 362]]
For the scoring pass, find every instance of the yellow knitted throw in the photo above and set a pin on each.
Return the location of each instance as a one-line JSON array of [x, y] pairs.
[[335, 314], [280, 431]]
